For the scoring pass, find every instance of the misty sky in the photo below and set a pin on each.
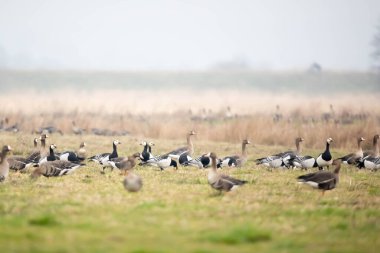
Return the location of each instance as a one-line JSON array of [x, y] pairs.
[[164, 35]]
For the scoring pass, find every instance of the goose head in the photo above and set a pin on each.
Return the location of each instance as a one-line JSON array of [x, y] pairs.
[[116, 142], [192, 132], [143, 143], [329, 140], [6, 149], [82, 145], [299, 139], [246, 141], [151, 144], [53, 146], [360, 139], [44, 136]]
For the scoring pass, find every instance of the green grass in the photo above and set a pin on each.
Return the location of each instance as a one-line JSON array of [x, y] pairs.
[[177, 211]]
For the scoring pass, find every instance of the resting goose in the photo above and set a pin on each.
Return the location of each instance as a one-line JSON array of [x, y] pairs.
[[55, 169], [74, 157], [323, 180], [124, 163], [303, 162], [325, 159], [4, 165], [219, 181], [104, 158], [132, 182], [51, 157], [236, 160], [77, 130], [353, 158], [203, 161]]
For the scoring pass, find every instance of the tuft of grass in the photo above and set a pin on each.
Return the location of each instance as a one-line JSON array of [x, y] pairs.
[[45, 221], [240, 235]]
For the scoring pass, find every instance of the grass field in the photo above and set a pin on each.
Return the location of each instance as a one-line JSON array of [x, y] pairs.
[[177, 211]]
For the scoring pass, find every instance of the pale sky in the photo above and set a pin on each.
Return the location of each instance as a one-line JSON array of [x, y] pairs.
[[187, 35]]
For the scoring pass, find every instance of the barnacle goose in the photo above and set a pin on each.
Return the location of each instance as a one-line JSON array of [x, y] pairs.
[[74, 157], [105, 157], [236, 160], [325, 159]]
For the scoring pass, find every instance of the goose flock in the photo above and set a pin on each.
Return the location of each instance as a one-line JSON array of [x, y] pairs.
[[49, 163]]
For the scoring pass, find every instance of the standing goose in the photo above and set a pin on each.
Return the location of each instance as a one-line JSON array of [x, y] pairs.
[[189, 149], [323, 180], [219, 181], [55, 169], [105, 157], [4, 165], [51, 157], [353, 158], [74, 157], [325, 159], [236, 160], [371, 160], [132, 182], [146, 154], [124, 163]]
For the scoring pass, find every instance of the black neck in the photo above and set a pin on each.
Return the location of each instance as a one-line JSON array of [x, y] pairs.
[[51, 152], [114, 152], [327, 147], [146, 148]]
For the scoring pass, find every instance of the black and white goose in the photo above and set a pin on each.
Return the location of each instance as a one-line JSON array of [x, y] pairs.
[[105, 157], [146, 154], [219, 181], [303, 162], [281, 159], [55, 169], [51, 157], [325, 159], [323, 180], [124, 163], [164, 161], [354, 158], [203, 161], [236, 160], [74, 157], [4, 165]]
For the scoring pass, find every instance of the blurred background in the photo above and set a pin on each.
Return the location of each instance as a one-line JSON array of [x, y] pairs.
[[154, 69]]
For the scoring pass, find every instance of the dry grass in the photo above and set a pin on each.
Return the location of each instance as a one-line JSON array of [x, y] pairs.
[[165, 114]]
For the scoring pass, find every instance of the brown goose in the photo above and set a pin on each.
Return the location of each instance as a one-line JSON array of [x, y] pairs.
[[219, 181], [353, 158], [37, 154], [375, 152], [323, 180], [236, 160], [189, 150], [124, 163], [4, 165], [55, 169], [132, 182]]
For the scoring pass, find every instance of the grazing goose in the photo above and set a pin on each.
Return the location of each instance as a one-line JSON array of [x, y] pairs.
[[219, 181], [132, 182], [105, 157], [325, 159], [4, 165], [353, 158], [203, 161], [236, 160], [281, 159], [323, 180], [124, 163], [303, 162], [51, 157], [164, 161], [74, 157], [55, 169]]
